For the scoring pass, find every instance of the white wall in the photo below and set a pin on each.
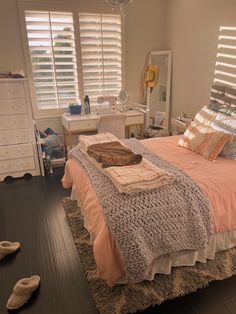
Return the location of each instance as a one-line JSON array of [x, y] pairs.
[[192, 33], [145, 20], [11, 51]]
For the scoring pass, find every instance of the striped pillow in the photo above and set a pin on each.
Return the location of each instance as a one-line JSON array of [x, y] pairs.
[[204, 140], [205, 117]]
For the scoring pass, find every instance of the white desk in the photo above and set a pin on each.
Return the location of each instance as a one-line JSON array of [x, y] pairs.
[[77, 124]]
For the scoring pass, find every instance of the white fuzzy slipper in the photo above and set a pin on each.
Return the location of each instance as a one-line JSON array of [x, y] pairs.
[[22, 292], [7, 248]]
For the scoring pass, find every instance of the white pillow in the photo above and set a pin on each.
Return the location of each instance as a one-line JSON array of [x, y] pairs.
[[226, 124]]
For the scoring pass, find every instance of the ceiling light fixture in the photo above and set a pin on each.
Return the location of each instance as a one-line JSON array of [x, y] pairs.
[[121, 4]]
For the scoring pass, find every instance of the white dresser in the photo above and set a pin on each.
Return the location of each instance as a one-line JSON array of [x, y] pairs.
[[18, 150]]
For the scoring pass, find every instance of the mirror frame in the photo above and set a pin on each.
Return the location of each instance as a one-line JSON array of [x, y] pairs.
[[168, 87]]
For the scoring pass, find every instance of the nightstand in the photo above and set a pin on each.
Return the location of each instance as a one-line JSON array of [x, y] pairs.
[[179, 127]]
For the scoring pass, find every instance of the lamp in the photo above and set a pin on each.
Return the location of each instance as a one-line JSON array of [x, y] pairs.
[[120, 4]]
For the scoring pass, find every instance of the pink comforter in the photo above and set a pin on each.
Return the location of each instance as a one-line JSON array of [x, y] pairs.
[[217, 180]]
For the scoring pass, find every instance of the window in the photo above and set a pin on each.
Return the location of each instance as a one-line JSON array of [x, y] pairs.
[[53, 58], [72, 54], [100, 36], [226, 57]]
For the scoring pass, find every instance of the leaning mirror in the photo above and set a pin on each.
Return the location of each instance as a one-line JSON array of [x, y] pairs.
[[158, 79]]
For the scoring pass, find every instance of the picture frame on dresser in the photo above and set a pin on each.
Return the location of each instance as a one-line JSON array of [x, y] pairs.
[[18, 149]]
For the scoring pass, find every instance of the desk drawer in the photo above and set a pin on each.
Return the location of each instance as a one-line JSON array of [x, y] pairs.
[[15, 137], [13, 106], [83, 125], [14, 122], [12, 90], [134, 120], [15, 165], [16, 151]]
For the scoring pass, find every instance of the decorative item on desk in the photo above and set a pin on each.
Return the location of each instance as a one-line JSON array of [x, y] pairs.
[[86, 105], [107, 104], [75, 108], [123, 98]]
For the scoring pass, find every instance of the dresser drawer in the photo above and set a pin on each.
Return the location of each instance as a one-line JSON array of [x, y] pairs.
[[13, 106], [15, 137], [26, 164], [16, 165], [14, 122], [6, 166], [12, 90], [83, 125], [16, 151]]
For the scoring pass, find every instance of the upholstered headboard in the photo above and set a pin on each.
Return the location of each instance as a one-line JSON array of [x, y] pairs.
[[224, 95]]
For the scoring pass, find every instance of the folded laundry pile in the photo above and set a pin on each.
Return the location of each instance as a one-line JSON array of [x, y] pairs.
[[129, 172]]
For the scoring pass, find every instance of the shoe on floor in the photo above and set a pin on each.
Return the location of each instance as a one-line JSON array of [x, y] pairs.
[[7, 248], [22, 292]]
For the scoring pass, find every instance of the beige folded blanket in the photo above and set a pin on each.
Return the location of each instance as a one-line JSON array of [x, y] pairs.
[[144, 176], [137, 178], [86, 140], [113, 154]]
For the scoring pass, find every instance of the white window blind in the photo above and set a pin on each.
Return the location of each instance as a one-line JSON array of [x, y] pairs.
[[53, 57], [226, 57], [101, 50]]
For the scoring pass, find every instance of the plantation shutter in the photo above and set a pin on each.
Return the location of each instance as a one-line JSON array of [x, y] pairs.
[[100, 38], [226, 57], [53, 58]]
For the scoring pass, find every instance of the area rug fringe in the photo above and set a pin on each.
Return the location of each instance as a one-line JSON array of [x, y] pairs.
[[136, 297]]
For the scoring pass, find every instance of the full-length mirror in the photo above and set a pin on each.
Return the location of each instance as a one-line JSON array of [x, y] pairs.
[[158, 78]]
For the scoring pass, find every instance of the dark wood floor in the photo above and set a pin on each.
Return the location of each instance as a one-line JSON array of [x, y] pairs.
[[31, 212]]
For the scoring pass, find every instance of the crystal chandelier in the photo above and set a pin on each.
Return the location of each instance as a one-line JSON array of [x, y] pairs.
[[121, 4]]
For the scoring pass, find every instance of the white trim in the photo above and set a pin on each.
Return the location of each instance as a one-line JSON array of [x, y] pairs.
[[78, 51], [169, 54]]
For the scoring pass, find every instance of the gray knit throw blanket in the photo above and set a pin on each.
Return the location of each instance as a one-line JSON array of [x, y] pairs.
[[146, 225]]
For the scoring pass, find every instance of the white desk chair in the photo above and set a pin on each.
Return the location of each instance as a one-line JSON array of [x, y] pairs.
[[113, 123]]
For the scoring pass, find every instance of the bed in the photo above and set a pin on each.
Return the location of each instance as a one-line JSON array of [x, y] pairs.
[[215, 179]]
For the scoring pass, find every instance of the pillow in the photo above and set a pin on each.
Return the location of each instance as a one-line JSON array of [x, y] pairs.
[[204, 140], [226, 124], [205, 117], [229, 150], [230, 111]]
